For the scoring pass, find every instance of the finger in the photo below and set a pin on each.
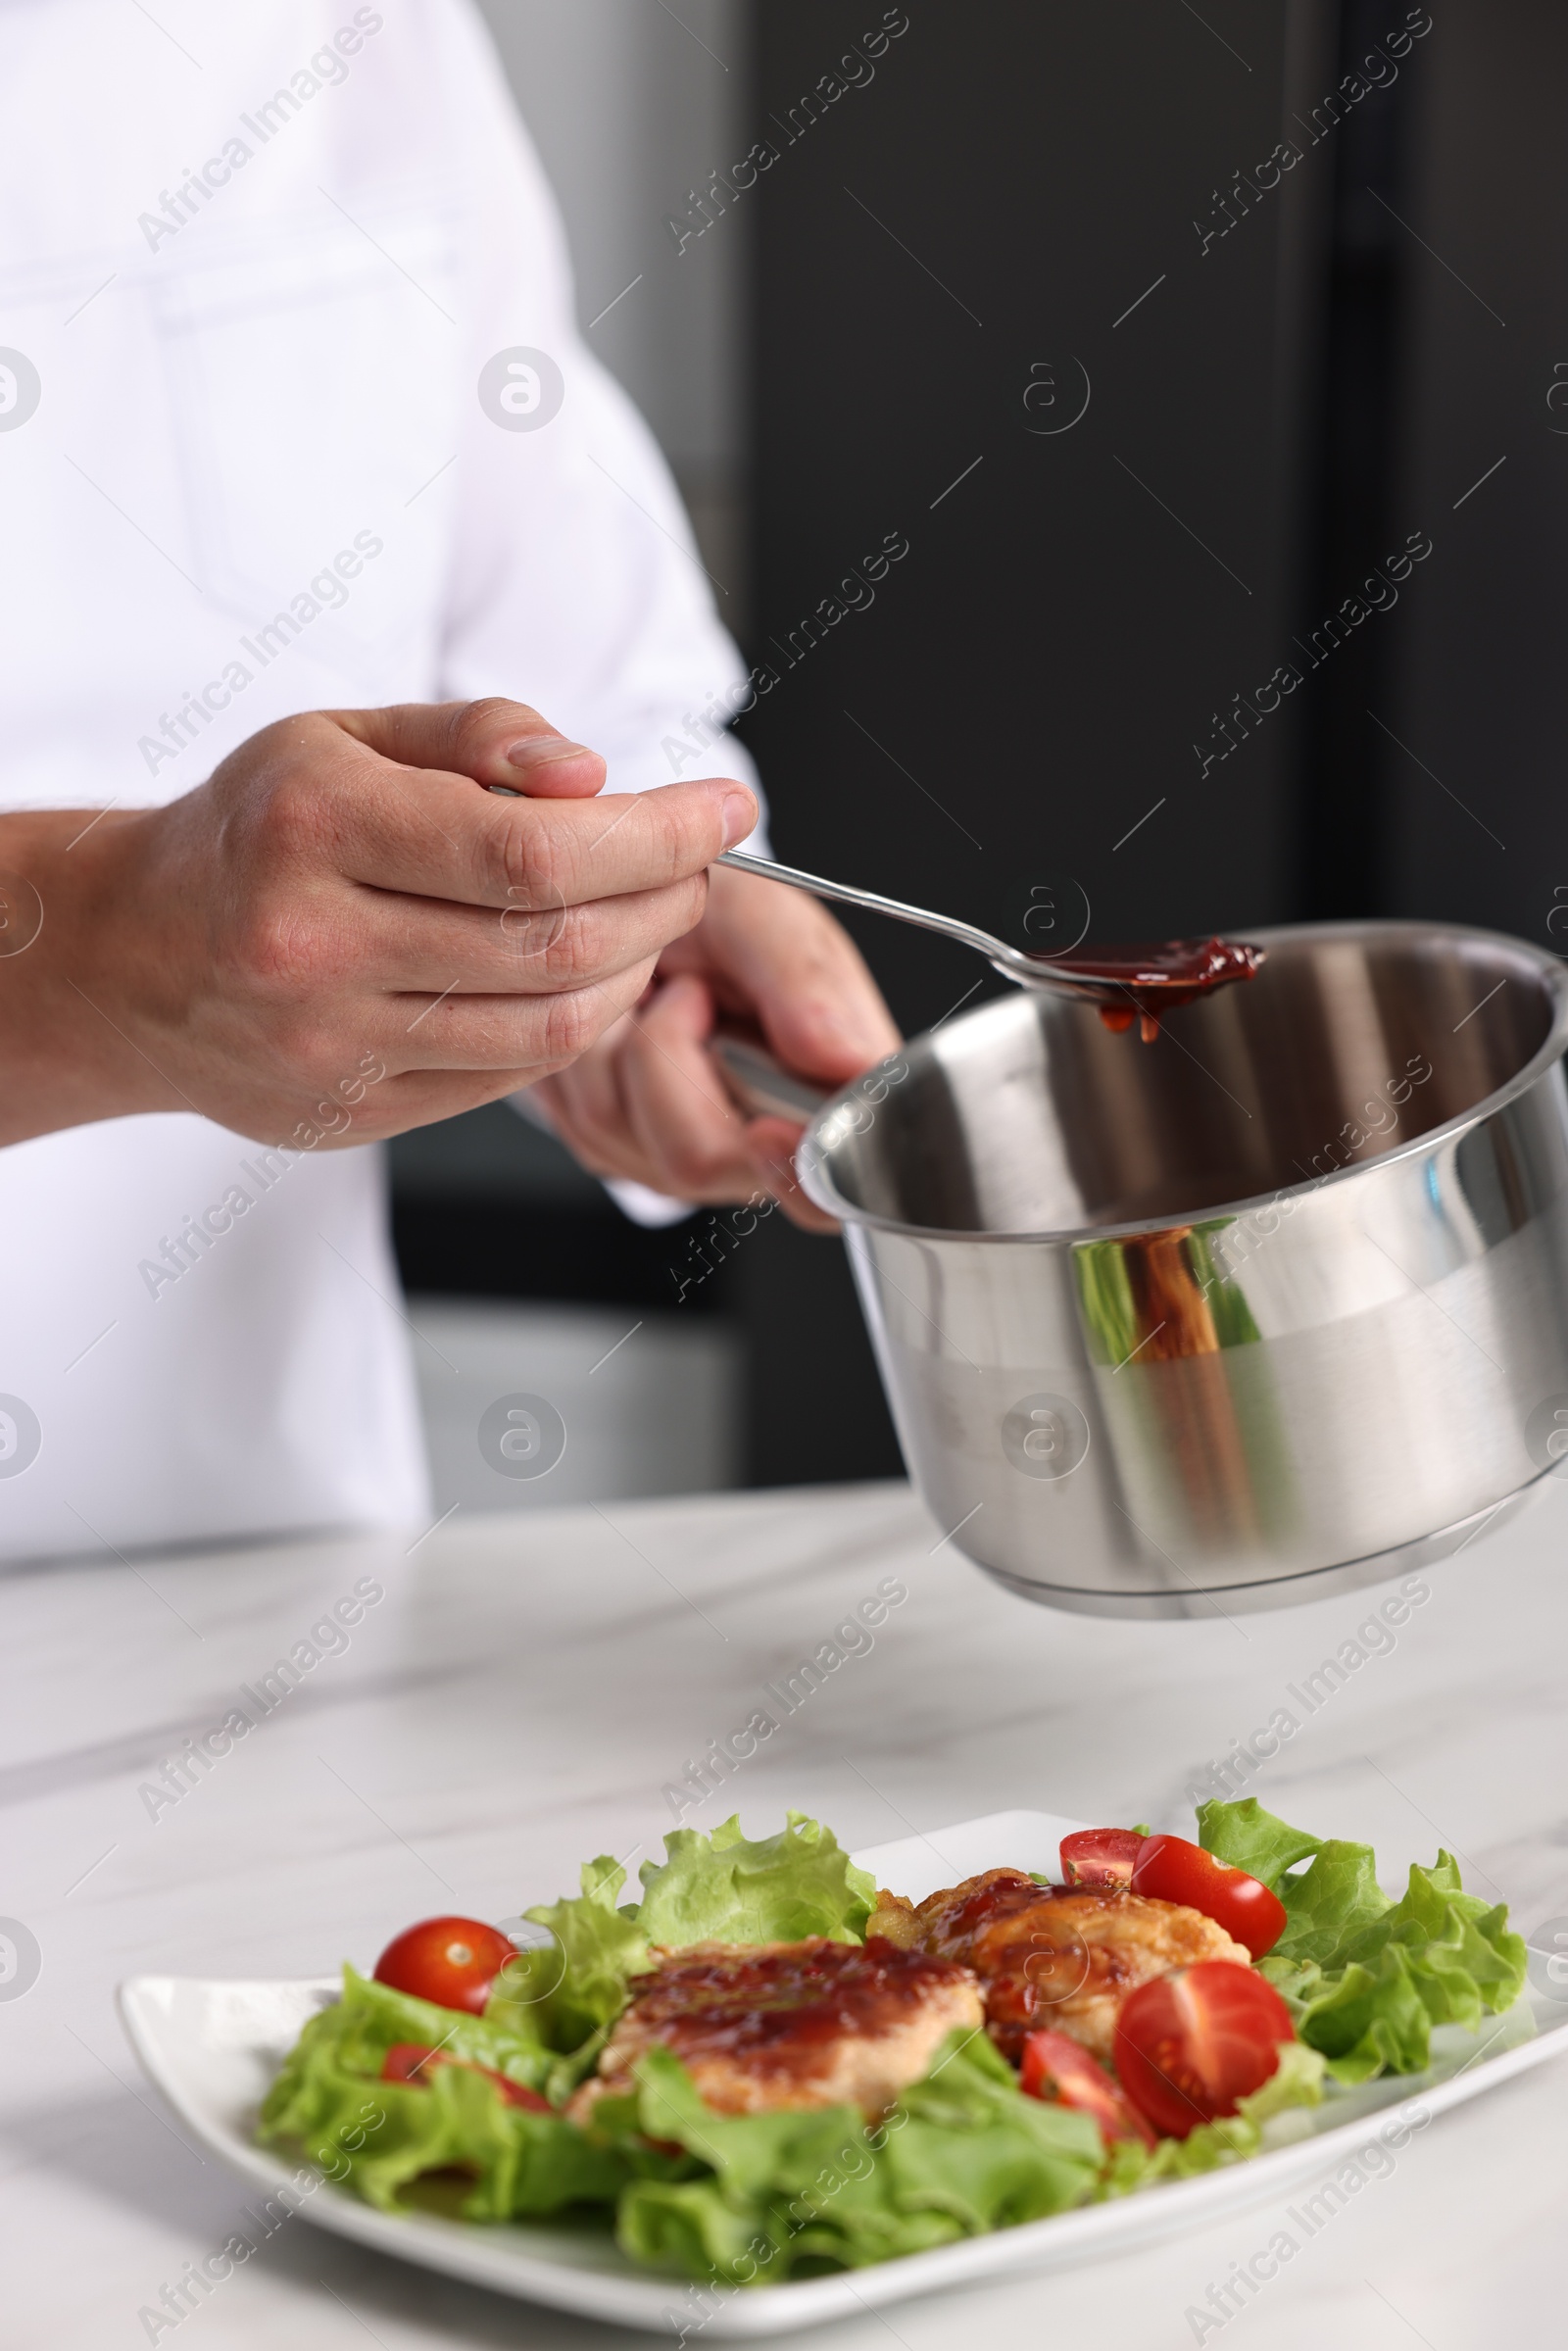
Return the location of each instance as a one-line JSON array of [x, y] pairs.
[[771, 1145], [400, 944], [436, 835], [534, 1034], [679, 1111], [494, 742], [614, 1158], [799, 973], [587, 1109]]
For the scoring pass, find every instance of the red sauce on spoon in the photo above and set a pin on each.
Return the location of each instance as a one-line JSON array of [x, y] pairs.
[[1146, 982]]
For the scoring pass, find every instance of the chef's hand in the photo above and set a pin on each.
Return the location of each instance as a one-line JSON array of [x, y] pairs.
[[646, 1099], [341, 934]]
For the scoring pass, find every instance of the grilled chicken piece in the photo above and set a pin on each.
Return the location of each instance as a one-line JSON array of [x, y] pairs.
[[764, 2026], [1059, 1955]]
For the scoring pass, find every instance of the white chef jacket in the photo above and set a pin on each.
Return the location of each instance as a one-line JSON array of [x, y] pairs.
[[258, 259]]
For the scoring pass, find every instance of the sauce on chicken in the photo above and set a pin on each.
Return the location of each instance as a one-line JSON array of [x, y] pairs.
[[1061, 1956], [767, 2026]]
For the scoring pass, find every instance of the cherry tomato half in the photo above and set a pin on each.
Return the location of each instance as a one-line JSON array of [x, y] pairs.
[[1189, 2045], [411, 2062], [1100, 1856], [1174, 1871], [1058, 2071], [454, 1962]]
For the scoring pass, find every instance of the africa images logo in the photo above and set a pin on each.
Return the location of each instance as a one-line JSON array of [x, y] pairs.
[[21, 389], [522, 389], [21, 1436]]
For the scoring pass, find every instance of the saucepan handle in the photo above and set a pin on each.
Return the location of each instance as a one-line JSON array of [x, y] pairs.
[[760, 1085]]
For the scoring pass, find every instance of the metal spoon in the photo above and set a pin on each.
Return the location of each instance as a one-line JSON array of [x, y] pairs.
[[1128, 980]]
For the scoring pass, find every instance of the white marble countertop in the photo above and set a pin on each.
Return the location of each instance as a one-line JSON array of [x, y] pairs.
[[518, 1700]]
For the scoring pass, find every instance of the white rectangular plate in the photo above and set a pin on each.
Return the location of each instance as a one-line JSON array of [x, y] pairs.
[[212, 2047]]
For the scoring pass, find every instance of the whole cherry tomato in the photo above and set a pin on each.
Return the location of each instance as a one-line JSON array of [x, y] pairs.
[[1189, 2045], [1171, 1870], [454, 1962]]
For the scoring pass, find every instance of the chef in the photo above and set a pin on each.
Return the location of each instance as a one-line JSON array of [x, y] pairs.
[[348, 608]]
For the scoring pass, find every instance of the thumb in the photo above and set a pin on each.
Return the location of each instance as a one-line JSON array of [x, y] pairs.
[[495, 742]]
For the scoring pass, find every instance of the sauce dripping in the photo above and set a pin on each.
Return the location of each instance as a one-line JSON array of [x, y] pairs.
[[1152, 980]]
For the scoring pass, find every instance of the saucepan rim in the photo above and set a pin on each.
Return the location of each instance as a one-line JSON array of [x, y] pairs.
[[810, 1156]]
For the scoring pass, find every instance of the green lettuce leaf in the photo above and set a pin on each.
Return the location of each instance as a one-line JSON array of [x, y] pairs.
[[728, 1889], [1367, 2020], [1332, 1902], [370, 2017], [330, 2102], [1366, 1977], [574, 1988], [796, 2194], [1462, 1946], [718, 1889], [1439, 1956], [1246, 1838]]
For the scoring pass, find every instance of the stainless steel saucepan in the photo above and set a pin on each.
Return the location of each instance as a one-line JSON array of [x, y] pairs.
[[1265, 1310]]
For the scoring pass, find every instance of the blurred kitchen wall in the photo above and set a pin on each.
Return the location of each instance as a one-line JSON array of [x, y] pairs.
[[1470, 787], [631, 105], [1157, 330], [1007, 317]]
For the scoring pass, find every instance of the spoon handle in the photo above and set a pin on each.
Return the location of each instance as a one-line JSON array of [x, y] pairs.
[[995, 951]]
